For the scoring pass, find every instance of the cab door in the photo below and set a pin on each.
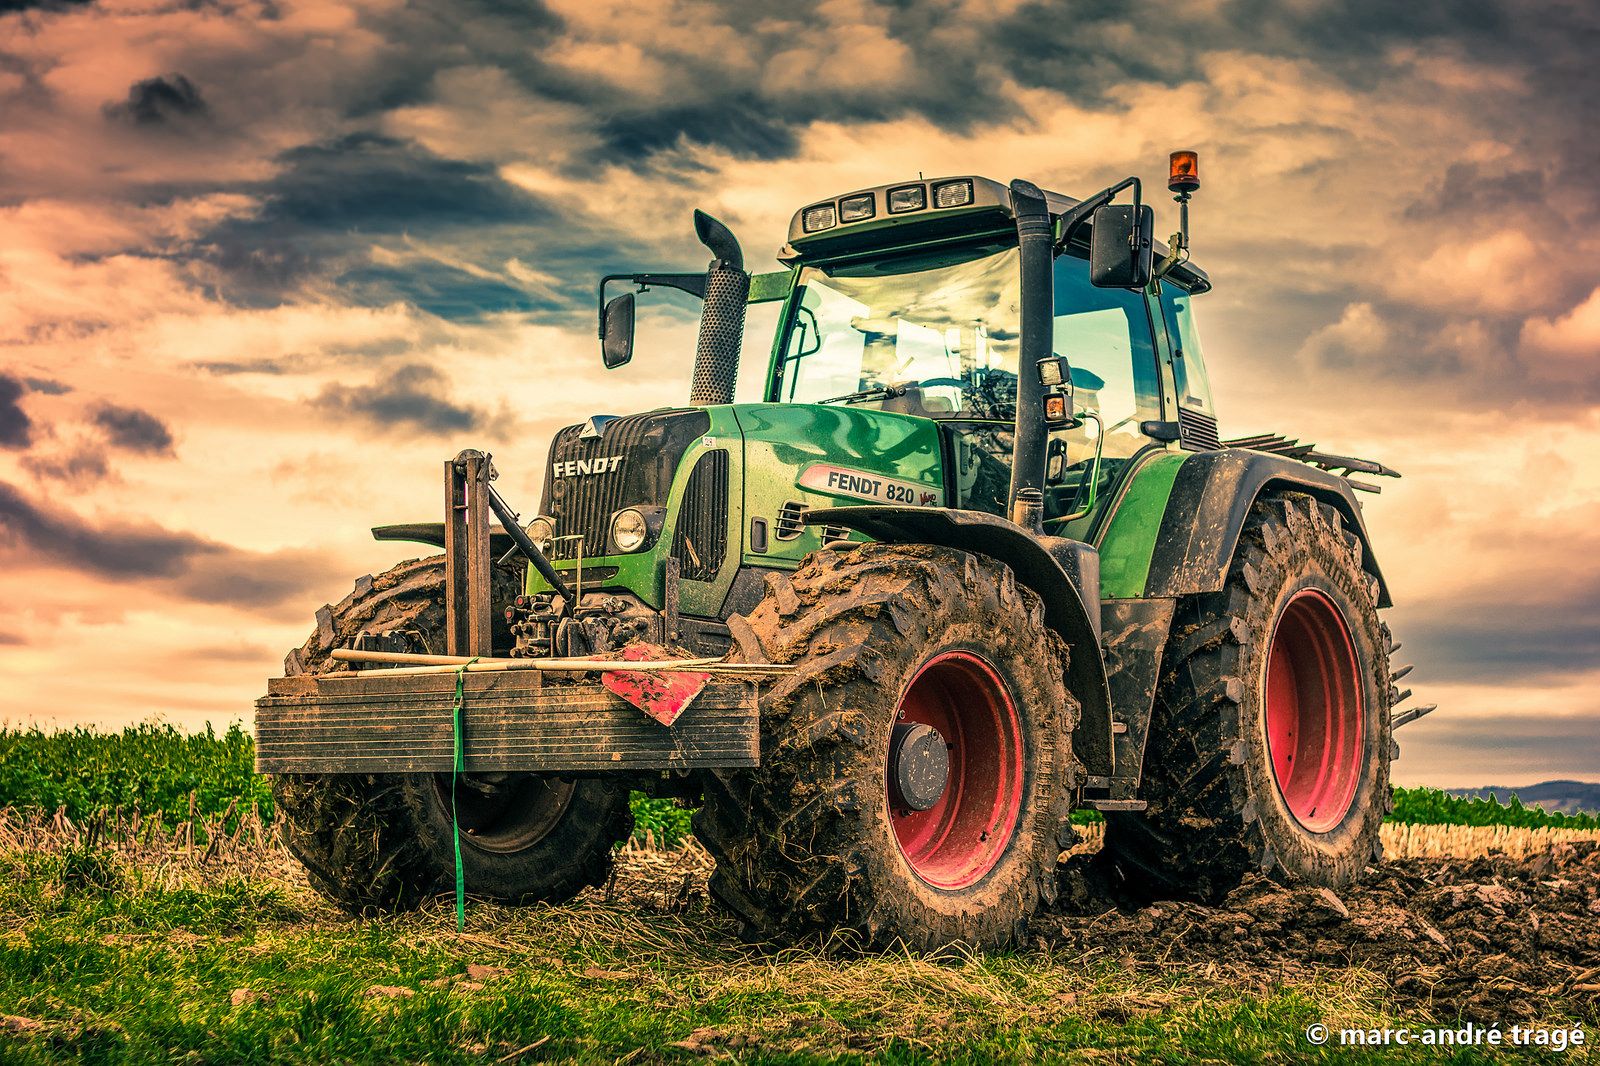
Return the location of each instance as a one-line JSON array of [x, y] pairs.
[[1109, 341]]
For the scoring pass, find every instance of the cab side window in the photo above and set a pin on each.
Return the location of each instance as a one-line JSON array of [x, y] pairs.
[[1188, 364]]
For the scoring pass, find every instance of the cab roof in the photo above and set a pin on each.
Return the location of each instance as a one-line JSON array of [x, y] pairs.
[[923, 211]]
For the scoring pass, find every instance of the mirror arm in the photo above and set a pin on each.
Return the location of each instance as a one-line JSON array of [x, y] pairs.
[[693, 284], [1067, 224]]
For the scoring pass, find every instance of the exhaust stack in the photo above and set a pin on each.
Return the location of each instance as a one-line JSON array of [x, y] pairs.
[[716, 353]]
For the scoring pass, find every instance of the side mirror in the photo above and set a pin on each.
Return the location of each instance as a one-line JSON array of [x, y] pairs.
[[616, 331], [1055, 463], [1121, 246]]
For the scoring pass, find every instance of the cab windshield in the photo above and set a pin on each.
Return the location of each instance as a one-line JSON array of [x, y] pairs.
[[931, 335]]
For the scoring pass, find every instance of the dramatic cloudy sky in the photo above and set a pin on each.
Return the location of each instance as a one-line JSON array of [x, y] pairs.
[[264, 265]]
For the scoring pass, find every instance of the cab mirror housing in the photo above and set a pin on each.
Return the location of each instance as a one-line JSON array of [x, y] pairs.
[[616, 331], [1121, 246]]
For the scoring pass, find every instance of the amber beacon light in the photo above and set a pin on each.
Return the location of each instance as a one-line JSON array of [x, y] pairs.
[[1184, 177]]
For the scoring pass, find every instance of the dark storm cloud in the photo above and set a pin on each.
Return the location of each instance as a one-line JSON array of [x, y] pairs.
[[333, 202], [409, 397], [8, 7], [80, 467], [47, 386], [159, 101], [1514, 631], [740, 126], [133, 430], [373, 184], [226, 367], [1524, 750], [16, 428], [114, 551], [182, 564]]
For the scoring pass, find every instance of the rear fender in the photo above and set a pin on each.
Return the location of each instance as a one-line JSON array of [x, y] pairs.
[[1210, 503], [1041, 563]]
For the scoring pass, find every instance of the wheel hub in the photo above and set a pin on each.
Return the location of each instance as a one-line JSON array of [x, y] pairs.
[[919, 766], [957, 748], [507, 815], [1313, 711]]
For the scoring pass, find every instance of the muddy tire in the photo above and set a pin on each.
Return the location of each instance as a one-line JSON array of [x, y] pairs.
[[383, 842], [1270, 743], [817, 839]]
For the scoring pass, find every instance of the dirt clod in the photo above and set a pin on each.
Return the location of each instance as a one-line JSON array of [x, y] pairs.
[[1491, 939]]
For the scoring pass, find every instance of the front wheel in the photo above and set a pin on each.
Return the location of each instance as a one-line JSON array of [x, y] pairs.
[[381, 842], [916, 764], [1270, 741]]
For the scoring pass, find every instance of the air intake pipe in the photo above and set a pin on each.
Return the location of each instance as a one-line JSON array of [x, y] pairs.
[[716, 353], [1034, 239]]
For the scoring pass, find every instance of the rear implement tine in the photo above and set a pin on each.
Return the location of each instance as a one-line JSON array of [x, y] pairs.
[[1412, 715]]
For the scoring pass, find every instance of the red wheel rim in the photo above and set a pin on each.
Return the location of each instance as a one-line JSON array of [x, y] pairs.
[[960, 838], [1314, 711]]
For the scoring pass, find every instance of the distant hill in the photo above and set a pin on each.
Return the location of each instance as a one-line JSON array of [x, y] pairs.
[[1559, 797]]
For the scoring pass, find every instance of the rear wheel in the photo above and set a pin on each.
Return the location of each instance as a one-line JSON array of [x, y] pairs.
[[1270, 743], [376, 842], [916, 764]]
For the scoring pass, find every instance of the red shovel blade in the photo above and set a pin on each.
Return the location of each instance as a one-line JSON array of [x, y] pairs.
[[663, 696]]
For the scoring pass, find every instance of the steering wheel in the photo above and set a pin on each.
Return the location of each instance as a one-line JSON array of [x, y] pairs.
[[954, 382]]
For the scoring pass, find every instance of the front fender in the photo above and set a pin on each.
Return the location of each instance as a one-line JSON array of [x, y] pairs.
[[433, 533], [1036, 566]]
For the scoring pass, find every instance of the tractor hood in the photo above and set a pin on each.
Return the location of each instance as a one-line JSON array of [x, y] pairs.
[[724, 486]]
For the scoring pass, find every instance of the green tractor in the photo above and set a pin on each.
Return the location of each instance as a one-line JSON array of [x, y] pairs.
[[977, 559]]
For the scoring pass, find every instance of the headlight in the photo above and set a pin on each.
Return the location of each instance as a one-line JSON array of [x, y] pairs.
[[818, 218], [952, 194], [856, 208], [542, 532], [908, 198], [628, 530]]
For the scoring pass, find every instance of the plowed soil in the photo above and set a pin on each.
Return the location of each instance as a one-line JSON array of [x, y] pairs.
[[1489, 939]]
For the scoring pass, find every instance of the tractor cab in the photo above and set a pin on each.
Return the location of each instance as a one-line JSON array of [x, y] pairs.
[[907, 299]]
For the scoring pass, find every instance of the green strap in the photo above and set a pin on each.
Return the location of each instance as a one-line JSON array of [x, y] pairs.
[[456, 770]]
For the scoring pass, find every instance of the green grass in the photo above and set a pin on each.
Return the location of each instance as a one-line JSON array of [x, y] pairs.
[[110, 962], [158, 768], [114, 964]]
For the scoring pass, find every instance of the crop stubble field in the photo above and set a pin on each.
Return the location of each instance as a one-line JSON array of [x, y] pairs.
[[177, 929]]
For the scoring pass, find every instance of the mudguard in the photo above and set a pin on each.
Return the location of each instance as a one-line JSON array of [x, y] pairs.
[[1206, 512], [1034, 560]]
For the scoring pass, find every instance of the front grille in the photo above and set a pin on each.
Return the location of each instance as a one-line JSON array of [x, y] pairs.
[[1198, 430], [701, 537], [581, 503]]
